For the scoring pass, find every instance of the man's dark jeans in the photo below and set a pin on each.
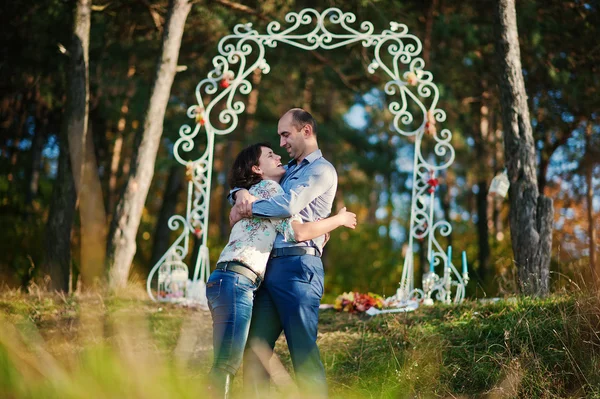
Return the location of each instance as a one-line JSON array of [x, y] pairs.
[[288, 301]]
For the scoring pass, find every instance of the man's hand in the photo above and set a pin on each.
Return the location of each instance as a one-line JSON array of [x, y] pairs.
[[242, 208], [348, 219], [234, 216]]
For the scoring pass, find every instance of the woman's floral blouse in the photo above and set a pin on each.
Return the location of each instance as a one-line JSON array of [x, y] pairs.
[[251, 240]]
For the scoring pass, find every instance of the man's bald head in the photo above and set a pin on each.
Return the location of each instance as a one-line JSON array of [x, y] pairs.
[[301, 118]]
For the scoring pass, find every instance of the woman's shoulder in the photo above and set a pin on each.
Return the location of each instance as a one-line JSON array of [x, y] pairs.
[[266, 189]]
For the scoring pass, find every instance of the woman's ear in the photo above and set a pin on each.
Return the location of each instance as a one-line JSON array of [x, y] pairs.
[[256, 169]]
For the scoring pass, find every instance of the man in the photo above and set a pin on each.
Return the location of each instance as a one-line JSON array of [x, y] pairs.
[[289, 297]]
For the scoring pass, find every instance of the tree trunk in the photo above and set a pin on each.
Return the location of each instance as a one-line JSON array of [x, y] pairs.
[[250, 124], [531, 214], [429, 31], [118, 143], [57, 262], [223, 156], [168, 208], [545, 153], [81, 150], [497, 168], [114, 166], [121, 244], [41, 125], [307, 95], [483, 230], [482, 172], [78, 95], [444, 196], [73, 137], [543, 169], [92, 215], [591, 227], [589, 195], [23, 111]]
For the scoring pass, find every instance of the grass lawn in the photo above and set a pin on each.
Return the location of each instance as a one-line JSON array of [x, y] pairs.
[[97, 347]]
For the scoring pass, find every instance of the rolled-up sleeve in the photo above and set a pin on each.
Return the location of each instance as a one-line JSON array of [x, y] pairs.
[[304, 189]]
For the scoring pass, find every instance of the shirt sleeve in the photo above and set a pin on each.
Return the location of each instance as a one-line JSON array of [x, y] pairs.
[[284, 226], [304, 190], [231, 194]]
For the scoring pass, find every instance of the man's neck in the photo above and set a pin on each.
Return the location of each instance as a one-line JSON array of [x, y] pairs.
[[309, 150]]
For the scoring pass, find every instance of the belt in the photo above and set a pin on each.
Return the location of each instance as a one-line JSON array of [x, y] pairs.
[[294, 251], [239, 268]]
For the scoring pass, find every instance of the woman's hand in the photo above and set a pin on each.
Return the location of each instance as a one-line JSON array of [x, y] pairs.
[[347, 219]]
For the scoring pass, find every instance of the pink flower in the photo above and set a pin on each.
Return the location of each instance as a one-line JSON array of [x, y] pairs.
[[411, 78], [430, 117], [433, 183], [200, 115], [430, 128]]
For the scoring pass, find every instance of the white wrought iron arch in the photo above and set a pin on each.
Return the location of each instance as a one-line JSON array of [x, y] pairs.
[[395, 52]]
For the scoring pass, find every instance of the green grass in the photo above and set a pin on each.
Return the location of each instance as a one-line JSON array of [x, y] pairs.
[[93, 346]]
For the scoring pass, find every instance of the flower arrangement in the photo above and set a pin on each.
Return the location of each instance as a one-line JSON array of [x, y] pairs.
[[412, 78], [355, 302], [430, 123], [200, 115]]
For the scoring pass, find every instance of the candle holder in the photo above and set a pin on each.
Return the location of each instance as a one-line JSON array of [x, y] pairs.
[[465, 277], [430, 280], [443, 286]]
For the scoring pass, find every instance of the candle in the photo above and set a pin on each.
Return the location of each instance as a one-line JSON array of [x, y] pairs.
[[464, 262], [431, 263], [449, 255]]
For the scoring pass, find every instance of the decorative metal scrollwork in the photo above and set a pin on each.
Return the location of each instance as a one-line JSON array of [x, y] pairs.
[[395, 53]]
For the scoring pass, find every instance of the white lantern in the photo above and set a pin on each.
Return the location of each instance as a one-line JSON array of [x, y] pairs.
[[500, 185]]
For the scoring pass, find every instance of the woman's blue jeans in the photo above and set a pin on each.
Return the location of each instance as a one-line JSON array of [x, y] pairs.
[[230, 297]]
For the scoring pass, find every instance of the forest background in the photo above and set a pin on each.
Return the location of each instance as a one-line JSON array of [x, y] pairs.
[[560, 56]]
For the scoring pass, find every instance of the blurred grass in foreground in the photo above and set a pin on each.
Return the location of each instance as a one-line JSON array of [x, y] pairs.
[[91, 346]]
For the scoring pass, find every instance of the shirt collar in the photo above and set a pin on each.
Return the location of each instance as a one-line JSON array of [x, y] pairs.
[[313, 156]]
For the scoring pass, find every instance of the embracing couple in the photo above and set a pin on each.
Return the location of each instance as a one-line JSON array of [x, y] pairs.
[[269, 277]]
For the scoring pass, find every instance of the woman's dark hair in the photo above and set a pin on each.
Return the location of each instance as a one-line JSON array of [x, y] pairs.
[[241, 175]]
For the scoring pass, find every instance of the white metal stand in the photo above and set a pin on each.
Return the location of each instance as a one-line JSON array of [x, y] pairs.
[[395, 52]]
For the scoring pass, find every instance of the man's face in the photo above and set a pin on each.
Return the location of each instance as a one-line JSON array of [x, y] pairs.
[[290, 138]]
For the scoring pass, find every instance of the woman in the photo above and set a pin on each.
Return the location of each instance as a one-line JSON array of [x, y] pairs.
[[242, 264]]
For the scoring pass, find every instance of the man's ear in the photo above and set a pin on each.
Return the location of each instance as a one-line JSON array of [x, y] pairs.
[[307, 130]]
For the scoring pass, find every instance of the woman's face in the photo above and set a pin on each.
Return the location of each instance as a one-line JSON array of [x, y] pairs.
[[269, 165]]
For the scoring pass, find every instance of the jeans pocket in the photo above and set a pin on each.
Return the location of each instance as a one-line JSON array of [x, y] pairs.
[[313, 270], [304, 272], [213, 290]]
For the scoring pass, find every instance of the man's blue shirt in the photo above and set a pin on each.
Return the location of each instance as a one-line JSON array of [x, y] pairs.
[[309, 192]]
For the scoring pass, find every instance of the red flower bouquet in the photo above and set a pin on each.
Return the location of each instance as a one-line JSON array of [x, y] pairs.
[[355, 302]]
